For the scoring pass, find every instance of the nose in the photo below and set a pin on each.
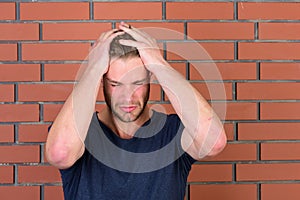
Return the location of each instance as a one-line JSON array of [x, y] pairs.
[[128, 92]]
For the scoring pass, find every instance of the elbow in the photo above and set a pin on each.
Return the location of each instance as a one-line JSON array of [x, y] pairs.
[[219, 145], [58, 156]]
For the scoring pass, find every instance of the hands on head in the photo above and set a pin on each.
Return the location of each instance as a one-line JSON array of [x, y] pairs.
[[129, 39]]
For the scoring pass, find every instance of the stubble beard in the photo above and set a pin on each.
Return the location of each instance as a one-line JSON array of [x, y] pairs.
[[126, 117]]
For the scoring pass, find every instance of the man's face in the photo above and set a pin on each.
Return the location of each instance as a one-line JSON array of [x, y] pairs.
[[126, 88]]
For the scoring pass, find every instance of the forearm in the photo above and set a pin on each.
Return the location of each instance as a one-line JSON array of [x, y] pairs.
[[65, 143], [202, 125]]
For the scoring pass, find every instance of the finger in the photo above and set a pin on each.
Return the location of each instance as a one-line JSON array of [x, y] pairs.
[[125, 24], [107, 38], [137, 34], [132, 43], [105, 35]]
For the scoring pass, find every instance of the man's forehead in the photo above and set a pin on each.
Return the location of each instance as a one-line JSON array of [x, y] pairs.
[[130, 68]]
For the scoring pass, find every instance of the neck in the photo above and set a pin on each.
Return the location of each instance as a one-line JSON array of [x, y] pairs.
[[124, 130]]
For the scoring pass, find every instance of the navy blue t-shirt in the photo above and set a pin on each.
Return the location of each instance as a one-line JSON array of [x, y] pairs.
[[151, 165]]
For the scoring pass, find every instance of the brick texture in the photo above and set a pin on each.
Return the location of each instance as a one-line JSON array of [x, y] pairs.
[[123, 10], [53, 192], [230, 191], [268, 51], [38, 174], [280, 71], [6, 174], [20, 192], [8, 52], [54, 11], [264, 172], [221, 31], [22, 153], [74, 31], [248, 49], [195, 10], [279, 31], [7, 11], [55, 51], [7, 133], [7, 92], [274, 191], [19, 31], [19, 72], [269, 10]]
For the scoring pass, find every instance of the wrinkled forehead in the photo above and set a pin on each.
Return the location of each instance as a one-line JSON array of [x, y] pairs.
[[127, 69]]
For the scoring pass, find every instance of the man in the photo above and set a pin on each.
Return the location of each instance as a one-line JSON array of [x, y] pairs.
[[129, 151]]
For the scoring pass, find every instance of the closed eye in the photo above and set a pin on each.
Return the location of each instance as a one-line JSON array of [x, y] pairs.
[[140, 83], [113, 84]]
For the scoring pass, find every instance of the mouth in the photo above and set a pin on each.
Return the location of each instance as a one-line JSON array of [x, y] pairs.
[[128, 108]]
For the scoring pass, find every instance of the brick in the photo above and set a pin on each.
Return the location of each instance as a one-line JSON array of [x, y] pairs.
[[155, 92], [214, 91], [53, 192], [19, 31], [222, 71], [268, 91], [279, 31], [7, 93], [267, 172], [38, 174], [33, 132], [269, 131], [61, 72], [55, 51], [6, 174], [277, 71], [236, 110], [7, 11], [268, 51], [280, 191], [224, 191], [179, 67], [268, 10], [44, 92], [19, 72], [199, 51], [236, 152], [127, 10], [280, 151], [50, 111], [54, 11], [210, 172], [220, 31], [11, 112], [162, 30], [20, 192], [19, 154], [8, 52], [199, 10], [229, 130], [6, 133], [280, 111], [74, 31]]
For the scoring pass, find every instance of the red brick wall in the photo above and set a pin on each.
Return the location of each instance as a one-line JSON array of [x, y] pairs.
[[255, 46]]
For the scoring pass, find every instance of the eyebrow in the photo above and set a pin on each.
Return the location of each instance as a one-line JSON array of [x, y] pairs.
[[117, 82]]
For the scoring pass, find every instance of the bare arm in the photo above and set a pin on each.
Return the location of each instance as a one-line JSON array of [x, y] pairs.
[[65, 142], [203, 134]]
